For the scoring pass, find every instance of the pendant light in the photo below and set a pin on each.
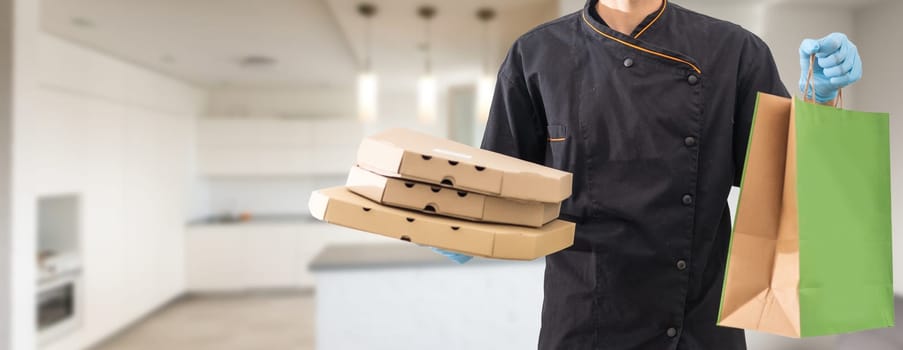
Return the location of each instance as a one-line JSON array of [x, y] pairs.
[[486, 82], [426, 85], [367, 82]]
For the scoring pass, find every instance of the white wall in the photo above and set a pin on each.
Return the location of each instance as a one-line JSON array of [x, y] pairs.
[[6, 143], [21, 312], [568, 6], [119, 136], [880, 45], [785, 26]]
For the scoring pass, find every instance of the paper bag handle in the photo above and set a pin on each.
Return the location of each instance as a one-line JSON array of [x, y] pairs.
[[838, 102]]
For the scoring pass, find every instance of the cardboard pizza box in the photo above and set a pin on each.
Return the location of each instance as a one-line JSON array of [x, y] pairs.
[[416, 156], [340, 206], [445, 201]]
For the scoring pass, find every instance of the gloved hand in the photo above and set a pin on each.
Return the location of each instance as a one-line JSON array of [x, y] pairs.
[[837, 65], [458, 258]]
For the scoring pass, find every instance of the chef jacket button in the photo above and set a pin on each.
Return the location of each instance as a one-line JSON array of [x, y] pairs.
[[692, 79], [690, 141], [671, 332], [681, 265], [687, 199], [628, 62]]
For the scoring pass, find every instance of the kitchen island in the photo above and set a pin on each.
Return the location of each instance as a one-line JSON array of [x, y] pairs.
[[406, 297], [403, 297]]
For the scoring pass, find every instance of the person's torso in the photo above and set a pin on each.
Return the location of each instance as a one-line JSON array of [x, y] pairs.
[[646, 125]]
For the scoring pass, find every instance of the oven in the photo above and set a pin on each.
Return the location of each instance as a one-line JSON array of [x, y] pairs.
[[58, 306]]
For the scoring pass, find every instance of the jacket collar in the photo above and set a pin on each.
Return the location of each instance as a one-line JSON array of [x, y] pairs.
[[592, 16]]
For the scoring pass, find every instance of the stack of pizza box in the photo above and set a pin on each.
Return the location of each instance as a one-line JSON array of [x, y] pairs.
[[436, 192]]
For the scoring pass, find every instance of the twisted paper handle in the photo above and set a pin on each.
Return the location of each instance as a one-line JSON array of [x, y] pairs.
[[838, 102]]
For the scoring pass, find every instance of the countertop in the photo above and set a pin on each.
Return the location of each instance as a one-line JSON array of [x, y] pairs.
[[224, 220], [363, 256]]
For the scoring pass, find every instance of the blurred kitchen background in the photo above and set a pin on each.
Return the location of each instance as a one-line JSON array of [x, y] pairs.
[[156, 158]]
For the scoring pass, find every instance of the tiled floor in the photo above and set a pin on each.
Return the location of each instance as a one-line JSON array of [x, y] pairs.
[[246, 321]]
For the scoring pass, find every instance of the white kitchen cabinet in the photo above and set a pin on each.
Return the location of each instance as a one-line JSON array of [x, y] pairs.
[[215, 258], [271, 256], [246, 256], [276, 147]]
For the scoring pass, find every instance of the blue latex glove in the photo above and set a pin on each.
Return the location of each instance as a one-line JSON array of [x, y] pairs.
[[837, 65], [458, 258]]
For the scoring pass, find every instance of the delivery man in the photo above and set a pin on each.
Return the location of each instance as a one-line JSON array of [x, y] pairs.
[[649, 105]]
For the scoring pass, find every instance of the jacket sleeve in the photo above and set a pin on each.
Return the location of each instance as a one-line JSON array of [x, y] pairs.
[[758, 73], [515, 124]]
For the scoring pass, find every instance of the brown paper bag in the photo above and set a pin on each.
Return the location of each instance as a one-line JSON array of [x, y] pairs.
[[810, 252]]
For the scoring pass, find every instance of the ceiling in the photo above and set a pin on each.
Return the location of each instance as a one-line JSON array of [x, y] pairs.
[[315, 43], [203, 41], [456, 33]]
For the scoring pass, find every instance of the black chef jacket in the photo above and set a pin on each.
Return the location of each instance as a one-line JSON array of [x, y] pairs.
[[654, 127]]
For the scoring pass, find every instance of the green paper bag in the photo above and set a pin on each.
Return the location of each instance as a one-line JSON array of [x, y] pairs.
[[810, 251]]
